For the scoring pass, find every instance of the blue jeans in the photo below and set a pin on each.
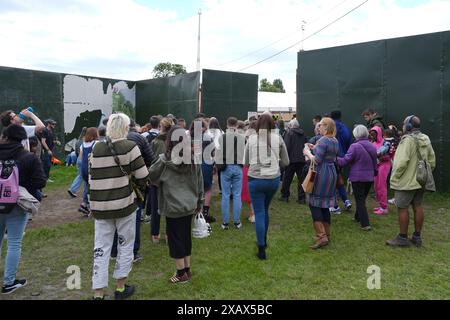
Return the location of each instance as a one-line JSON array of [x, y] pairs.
[[76, 184], [261, 193], [15, 222], [342, 193], [231, 179], [86, 192], [46, 164]]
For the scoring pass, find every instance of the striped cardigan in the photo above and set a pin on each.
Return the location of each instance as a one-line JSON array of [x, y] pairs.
[[111, 194]]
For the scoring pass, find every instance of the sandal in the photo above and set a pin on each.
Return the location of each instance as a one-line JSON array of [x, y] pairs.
[[177, 279]]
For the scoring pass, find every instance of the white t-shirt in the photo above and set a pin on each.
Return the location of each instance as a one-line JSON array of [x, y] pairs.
[[31, 132]]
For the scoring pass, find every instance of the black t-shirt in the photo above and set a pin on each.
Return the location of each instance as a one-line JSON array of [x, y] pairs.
[[49, 138]]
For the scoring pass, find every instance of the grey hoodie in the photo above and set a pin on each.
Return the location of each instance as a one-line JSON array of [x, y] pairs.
[[180, 187]]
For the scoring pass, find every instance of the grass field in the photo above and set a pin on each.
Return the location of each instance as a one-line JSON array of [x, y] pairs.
[[225, 265]]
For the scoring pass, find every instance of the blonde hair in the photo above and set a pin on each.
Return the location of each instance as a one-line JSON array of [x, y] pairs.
[[118, 126], [331, 127], [166, 124]]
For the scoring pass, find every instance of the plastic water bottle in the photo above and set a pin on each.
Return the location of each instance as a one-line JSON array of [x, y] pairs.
[[22, 116]]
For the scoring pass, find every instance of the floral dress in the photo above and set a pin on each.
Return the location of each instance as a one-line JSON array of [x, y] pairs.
[[324, 192]]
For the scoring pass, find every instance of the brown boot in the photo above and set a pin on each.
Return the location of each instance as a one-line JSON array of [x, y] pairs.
[[327, 230], [321, 236]]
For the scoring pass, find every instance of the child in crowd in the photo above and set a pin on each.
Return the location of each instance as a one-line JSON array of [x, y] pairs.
[[86, 148], [384, 165], [396, 137]]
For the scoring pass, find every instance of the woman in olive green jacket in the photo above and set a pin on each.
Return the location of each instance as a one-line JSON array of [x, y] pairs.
[[180, 196]]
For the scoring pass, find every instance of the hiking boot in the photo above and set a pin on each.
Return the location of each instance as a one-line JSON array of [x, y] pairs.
[[128, 292], [224, 226], [399, 241], [17, 284], [238, 225], [416, 240], [73, 195]]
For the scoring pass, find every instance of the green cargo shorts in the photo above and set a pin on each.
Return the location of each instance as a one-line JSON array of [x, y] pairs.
[[405, 198]]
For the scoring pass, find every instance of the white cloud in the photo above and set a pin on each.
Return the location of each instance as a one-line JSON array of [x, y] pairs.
[[125, 40]]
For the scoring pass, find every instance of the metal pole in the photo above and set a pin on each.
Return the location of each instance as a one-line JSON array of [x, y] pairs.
[[303, 33], [198, 42]]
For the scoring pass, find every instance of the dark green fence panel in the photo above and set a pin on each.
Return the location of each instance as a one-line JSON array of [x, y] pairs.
[[226, 94], [177, 95], [20, 88], [444, 133], [396, 77]]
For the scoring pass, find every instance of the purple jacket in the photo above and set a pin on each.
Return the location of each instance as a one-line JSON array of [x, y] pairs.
[[362, 159]]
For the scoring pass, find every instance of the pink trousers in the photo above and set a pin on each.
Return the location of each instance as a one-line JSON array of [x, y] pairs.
[[381, 183]]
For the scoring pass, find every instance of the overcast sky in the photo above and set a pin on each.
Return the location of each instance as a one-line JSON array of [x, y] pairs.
[[125, 39]]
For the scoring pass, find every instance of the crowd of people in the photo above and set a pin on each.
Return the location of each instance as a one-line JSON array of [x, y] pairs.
[[135, 173]]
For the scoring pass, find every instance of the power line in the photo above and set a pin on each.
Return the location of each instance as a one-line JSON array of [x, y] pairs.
[[308, 37], [288, 36]]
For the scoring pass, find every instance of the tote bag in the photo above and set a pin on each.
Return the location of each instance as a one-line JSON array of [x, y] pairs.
[[308, 183]]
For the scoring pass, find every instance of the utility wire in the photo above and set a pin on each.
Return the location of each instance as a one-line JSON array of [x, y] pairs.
[[308, 37], [288, 36]]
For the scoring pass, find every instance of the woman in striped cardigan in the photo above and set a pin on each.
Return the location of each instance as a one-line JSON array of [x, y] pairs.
[[113, 203]]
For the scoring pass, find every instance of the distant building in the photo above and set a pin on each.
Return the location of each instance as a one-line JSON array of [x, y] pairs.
[[282, 104]]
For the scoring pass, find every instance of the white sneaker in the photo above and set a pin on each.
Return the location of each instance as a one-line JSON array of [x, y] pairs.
[[335, 210], [392, 201]]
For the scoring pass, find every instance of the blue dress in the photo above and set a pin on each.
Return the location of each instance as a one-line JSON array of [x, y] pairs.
[[324, 191]]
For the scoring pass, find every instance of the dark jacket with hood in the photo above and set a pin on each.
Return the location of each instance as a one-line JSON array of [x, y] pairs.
[[180, 187], [295, 140], [143, 145], [376, 120], [31, 174]]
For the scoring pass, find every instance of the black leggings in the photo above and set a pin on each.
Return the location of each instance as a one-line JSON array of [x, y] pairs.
[[320, 214]]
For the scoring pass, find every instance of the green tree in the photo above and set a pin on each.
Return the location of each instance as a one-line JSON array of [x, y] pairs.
[[267, 86], [278, 84], [167, 69]]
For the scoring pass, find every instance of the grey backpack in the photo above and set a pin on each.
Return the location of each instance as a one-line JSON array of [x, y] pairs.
[[424, 175]]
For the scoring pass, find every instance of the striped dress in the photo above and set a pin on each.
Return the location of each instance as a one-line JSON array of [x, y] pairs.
[[111, 194], [324, 192]]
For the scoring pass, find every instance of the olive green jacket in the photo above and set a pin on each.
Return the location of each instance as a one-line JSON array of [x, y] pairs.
[[404, 170]]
